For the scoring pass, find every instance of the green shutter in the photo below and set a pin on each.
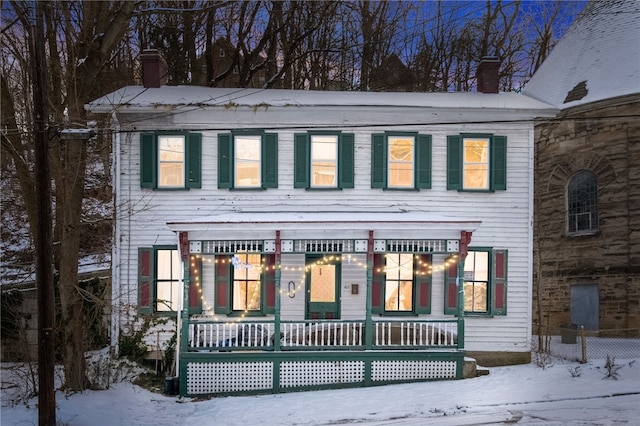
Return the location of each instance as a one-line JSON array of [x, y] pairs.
[[377, 284], [451, 289], [225, 161], [146, 273], [195, 283], [346, 160], [423, 284], [270, 160], [499, 163], [301, 160], [148, 160], [499, 283], [423, 162], [378, 160], [194, 160], [222, 296], [454, 162], [269, 280]]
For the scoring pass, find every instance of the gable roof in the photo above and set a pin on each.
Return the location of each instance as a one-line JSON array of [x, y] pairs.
[[597, 59]]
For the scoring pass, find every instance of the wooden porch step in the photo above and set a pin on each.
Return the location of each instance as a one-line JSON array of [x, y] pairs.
[[471, 369]]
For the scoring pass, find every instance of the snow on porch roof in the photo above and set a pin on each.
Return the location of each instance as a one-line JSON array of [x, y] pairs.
[[138, 98], [250, 222]]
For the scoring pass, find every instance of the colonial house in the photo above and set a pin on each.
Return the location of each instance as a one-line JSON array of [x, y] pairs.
[[299, 240], [587, 191]]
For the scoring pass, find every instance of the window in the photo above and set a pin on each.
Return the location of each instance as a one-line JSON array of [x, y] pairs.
[[245, 283], [324, 160], [159, 281], [401, 283], [485, 283], [582, 203], [401, 161], [170, 161], [476, 162], [248, 160]]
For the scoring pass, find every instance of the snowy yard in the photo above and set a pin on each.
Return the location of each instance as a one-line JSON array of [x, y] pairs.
[[562, 393]]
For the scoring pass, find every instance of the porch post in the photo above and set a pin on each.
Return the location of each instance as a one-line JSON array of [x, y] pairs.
[[368, 323], [182, 326], [465, 239], [276, 319]]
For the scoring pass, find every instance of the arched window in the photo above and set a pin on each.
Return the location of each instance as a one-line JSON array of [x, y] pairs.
[[582, 203]]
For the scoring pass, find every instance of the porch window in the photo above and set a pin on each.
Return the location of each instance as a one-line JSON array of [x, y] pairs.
[[401, 283], [485, 283], [324, 160], [170, 161], [159, 281], [244, 283], [248, 160], [401, 161], [476, 162], [582, 203]]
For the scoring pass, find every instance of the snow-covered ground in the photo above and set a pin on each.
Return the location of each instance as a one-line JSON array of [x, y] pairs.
[[561, 393]]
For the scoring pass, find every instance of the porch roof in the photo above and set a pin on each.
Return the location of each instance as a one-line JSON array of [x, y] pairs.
[[254, 225]]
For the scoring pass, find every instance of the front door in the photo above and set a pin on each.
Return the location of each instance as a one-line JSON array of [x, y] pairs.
[[323, 287]]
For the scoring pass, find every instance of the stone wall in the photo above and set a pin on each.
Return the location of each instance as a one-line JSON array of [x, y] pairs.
[[603, 138]]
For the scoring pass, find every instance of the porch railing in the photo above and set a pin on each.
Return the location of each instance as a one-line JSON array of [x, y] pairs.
[[322, 335]]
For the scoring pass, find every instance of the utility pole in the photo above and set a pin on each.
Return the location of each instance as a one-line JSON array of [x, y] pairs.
[[44, 239]]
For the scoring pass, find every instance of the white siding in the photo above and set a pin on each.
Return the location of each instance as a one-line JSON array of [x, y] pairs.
[[142, 214]]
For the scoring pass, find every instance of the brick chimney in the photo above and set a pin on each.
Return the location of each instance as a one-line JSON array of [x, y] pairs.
[[487, 74], [155, 71]]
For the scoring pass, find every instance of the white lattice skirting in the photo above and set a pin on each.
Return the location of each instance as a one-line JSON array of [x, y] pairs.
[[222, 377]]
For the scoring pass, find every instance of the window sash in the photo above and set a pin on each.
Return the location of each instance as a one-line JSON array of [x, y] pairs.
[[475, 163], [247, 162], [324, 161], [247, 283], [582, 203], [171, 161], [476, 282], [400, 157], [167, 289], [399, 282]]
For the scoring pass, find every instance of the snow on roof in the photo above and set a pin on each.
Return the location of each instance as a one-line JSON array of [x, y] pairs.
[[138, 98], [597, 59]]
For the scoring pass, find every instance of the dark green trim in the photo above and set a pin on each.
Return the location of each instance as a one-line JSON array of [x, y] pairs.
[[148, 160], [269, 166], [423, 162], [346, 163], [193, 160], [378, 160], [301, 159], [454, 162], [225, 161]]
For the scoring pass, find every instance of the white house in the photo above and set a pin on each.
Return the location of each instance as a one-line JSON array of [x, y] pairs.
[[322, 238]]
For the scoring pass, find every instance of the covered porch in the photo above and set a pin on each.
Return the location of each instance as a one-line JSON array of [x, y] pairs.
[[293, 349]]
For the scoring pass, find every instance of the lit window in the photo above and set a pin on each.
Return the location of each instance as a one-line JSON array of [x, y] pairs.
[[247, 161], [167, 280], [401, 162], [246, 282], [582, 194], [399, 282], [476, 282], [324, 161], [171, 161], [476, 164]]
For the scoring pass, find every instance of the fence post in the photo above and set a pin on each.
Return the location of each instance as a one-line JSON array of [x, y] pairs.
[[583, 343]]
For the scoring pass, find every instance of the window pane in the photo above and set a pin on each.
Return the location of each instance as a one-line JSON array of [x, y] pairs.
[[171, 161], [247, 161], [582, 195], [401, 162], [246, 281], [476, 282], [167, 296], [476, 164], [324, 161], [168, 265]]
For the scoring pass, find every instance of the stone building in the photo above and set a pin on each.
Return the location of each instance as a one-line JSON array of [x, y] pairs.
[[587, 176]]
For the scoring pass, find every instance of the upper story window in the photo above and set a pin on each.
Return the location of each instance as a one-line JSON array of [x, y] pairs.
[[248, 160], [159, 275], [477, 162], [401, 283], [324, 160], [582, 203], [400, 161], [485, 283], [170, 161]]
